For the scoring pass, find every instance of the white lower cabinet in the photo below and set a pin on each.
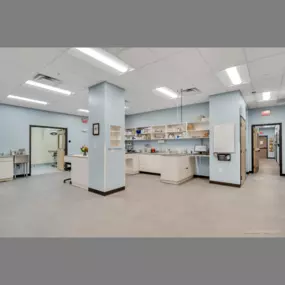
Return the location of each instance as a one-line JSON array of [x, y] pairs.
[[6, 168], [131, 163], [177, 169], [150, 163]]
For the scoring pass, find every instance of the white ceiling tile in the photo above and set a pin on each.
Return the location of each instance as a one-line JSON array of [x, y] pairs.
[[160, 74], [253, 54], [266, 104], [115, 51], [137, 57], [267, 67], [281, 94], [267, 83], [250, 98], [222, 58], [75, 72], [188, 63], [161, 53], [252, 105], [207, 83]]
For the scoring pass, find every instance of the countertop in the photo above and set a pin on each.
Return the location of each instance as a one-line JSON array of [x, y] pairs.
[[6, 156], [170, 154], [79, 156]]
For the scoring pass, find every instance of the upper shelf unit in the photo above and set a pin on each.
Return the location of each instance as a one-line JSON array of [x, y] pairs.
[[197, 130]]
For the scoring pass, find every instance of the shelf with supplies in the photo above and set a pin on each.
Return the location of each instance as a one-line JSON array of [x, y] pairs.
[[195, 130], [115, 136]]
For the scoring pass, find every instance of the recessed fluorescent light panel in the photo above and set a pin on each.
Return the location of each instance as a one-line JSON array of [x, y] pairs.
[[266, 96], [83, 110], [48, 87], [165, 92], [102, 59], [27, 100], [235, 75]]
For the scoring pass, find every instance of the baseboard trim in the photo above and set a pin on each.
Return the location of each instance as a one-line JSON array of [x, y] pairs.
[[270, 157], [201, 176], [225, 184], [151, 173], [22, 175], [95, 191]]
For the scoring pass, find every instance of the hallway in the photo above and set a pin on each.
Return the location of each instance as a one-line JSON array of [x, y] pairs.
[[269, 167]]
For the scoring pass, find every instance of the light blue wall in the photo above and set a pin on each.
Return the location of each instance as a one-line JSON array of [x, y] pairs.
[[172, 116], [277, 116], [168, 116], [226, 108], [269, 132], [15, 121]]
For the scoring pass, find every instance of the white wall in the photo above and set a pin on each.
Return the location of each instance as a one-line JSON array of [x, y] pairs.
[[15, 122], [42, 142]]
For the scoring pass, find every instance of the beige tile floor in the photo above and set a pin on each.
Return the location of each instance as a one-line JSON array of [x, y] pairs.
[[42, 206]]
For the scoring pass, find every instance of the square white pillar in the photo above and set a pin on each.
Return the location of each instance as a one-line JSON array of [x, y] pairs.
[[106, 156]]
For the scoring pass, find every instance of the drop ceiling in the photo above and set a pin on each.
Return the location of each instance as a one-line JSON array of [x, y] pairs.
[[175, 68]]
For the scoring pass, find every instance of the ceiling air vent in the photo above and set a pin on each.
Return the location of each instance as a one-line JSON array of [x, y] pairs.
[[191, 91], [45, 79]]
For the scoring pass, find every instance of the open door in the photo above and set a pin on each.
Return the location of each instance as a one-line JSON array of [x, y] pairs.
[[61, 149], [263, 146], [256, 150], [242, 151]]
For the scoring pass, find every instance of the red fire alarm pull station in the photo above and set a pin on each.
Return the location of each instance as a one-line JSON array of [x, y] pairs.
[[265, 113]]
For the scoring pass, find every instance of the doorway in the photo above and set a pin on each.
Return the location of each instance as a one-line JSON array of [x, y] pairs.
[[263, 147], [266, 150], [47, 148]]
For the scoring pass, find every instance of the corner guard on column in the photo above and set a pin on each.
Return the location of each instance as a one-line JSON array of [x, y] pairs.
[[95, 191]]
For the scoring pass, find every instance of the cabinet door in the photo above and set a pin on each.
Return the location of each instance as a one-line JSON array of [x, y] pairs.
[[144, 162], [6, 169], [155, 164], [149, 163]]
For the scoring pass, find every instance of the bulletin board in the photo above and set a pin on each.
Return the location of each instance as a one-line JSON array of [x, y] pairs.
[[224, 138]]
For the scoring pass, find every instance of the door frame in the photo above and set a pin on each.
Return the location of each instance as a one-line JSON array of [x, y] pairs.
[[267, 145], [242, 118], [30, 142], [280, 144]]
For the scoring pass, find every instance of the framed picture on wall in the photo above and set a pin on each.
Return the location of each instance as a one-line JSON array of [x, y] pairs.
[[96, 129]]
